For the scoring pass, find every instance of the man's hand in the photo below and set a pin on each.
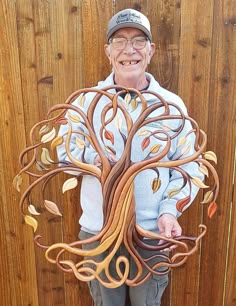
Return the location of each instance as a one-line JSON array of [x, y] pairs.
[[168, 227]]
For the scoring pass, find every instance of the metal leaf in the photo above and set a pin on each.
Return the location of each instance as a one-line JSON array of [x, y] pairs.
[[109, 136], [33, 210], [203, 169], [155, 148], [81, 100], [212, 209], [40, 166], [182, 203], [61, 121], [198, 182], [74, 118], [17, 181], [69, 184], [49, 136], [156, 184], [44, 129], [209, 155], [45, 157], [208, 197], [145, 143], [32, 222], [56, 142], [173, 192], [134, 104], [80, 143], [52, 207], [143, 133], [118, 122], [127, 98]]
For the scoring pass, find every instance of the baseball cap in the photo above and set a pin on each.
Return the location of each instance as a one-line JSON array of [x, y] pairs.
[[129, 18]]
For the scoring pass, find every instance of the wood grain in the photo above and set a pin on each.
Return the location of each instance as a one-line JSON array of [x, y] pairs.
[[48, 49]]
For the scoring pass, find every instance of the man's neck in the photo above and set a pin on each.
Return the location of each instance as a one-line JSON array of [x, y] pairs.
[[137, 84]]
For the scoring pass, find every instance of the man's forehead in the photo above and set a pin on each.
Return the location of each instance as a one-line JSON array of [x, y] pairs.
[[129, 31]]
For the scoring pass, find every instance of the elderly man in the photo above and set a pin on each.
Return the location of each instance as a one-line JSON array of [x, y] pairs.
[[129, 50]]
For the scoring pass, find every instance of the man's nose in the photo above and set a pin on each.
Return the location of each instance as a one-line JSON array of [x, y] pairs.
[[129, 47]]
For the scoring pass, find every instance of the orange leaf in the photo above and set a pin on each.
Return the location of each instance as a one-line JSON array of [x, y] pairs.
[[182, 203], [61, 121], [145, 143], [109, 136], [52, 207], [212, 209]]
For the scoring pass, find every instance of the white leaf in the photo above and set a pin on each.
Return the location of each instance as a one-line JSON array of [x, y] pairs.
[[69, 184], [49, 136]]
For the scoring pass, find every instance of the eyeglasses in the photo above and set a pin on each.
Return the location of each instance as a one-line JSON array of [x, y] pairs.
[[120, 43]]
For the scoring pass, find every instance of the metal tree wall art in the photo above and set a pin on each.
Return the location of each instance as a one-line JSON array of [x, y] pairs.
[[124, 115]]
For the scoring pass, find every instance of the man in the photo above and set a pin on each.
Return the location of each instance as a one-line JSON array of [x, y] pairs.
[[129, 50]]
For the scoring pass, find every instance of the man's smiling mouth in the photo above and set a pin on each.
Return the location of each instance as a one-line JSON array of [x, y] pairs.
[[127, 63]]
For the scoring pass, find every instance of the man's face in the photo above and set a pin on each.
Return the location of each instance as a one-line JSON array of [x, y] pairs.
[[129, 63]]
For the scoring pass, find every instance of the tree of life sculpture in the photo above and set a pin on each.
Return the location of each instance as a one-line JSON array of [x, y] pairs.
[[116, 177]]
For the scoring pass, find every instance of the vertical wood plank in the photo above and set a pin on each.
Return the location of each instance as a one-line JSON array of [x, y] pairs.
[[18, 283], [95, 16], [193, 87], [221, 131]]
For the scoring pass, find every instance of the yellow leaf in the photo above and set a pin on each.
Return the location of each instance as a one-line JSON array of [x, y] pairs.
[[208, 197], [69, 184], [80, 143], [17, 181], [32, 222], [155, 148], [45, 157], [56, 142], [33, 210], [198, 182], [74, 118], [134, 104], [49, 136], [173, 192], [127, 98], [156, 184], [209, 155], [52, 207]]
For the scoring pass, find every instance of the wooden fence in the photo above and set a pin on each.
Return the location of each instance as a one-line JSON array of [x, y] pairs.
[[48, 49]]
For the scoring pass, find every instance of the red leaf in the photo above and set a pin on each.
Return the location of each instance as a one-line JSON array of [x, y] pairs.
[[145, 143], [212, 209], [182, 203], [62, 121], [109, 136]]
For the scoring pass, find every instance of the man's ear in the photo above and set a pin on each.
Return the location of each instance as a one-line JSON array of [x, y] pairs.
[[107, 52], [151, 51]]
